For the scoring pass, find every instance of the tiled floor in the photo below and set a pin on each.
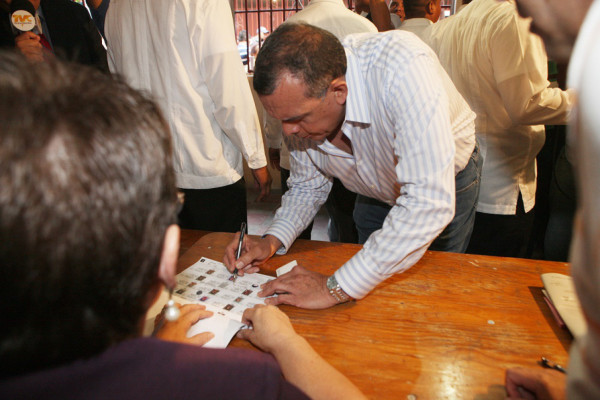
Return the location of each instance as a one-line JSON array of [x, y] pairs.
[[261, 214]]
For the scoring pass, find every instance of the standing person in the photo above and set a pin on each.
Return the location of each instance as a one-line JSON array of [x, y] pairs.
[[374, 113], [63, 29], [376, 11], [419, 15], [184, 53], [87, 243], [335, 17], [565, 28], [397, 12], [501, 71]]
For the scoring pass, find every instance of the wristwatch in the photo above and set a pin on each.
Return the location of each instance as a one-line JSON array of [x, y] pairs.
[[336, 290]]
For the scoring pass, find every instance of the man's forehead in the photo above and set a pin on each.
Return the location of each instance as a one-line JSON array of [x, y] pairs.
[[287, 101]]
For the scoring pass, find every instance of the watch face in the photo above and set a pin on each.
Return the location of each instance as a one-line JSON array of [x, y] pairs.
[[331, 282]]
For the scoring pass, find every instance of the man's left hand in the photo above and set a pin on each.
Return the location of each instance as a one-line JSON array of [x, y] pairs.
[[299, 287]]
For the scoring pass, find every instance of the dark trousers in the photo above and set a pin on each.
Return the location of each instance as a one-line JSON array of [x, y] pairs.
[[340, 206], [502, 235], [285, 174], [221, 209]]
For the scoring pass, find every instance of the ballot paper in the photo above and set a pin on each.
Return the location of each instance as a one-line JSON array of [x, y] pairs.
[[208, 282]]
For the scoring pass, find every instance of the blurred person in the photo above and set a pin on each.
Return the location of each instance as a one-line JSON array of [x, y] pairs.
[[570, 28], [88, 240]]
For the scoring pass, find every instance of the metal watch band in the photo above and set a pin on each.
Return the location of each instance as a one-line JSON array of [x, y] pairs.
[[336, 291]]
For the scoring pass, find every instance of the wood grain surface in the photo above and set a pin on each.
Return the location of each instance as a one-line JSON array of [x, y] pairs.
[[445, 329]]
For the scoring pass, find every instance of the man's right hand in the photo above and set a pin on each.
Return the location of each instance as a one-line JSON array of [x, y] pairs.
[[28, 43], [254, 253], [271, 328]]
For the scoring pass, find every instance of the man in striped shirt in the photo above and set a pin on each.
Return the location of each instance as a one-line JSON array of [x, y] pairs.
[[375, 114]]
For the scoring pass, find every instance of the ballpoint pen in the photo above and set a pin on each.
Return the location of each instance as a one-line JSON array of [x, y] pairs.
[[239, 249], [544, 362]]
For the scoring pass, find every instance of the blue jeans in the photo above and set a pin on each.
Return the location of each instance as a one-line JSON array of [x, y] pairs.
[[369, 213]]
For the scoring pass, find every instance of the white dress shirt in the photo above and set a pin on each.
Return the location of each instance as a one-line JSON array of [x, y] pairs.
[[184, 53], [334, 17], [501, 70], [584, 362], [418, 26], [403, 154]]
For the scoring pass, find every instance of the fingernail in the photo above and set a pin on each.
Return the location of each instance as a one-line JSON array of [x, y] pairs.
[[239, 265]]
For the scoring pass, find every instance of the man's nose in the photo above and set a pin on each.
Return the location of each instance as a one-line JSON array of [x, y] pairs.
[[290, 128]]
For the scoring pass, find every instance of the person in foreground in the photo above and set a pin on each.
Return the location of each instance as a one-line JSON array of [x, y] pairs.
[[88, 240], [566, 28]]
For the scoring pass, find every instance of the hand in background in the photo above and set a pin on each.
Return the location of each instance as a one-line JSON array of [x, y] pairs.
[[176, 331], [275, 158], [254, 253], [301, 288], [535, 383], [262, 181], [93, 3], [28, 43]]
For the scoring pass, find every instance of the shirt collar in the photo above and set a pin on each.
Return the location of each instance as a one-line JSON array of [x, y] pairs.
[[356, 92], [417, 22]]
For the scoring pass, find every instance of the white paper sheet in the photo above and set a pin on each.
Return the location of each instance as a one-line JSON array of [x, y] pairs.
[[208, 282]]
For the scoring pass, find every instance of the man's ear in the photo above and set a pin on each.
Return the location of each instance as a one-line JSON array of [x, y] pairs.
[[169, 256], [430, 9], [340, 90]]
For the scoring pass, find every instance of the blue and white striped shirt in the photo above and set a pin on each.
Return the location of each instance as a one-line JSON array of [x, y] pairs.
[[398, 121]]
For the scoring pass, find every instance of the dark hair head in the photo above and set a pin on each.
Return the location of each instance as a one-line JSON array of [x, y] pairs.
[[415, 8], [305, 51], [87, 191]]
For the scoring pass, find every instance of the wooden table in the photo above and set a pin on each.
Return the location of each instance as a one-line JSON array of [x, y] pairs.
[[448, 328]]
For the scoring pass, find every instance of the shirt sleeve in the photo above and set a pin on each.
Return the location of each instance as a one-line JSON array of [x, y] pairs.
[[227, 84], [424, 149], [522, 77], [308, 191]]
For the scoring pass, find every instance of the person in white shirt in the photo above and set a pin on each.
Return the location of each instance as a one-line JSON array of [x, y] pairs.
[[397, 12], [565, 28], [501, 70], [376, 11], [420, 14], [373, 112], [335, 17], [184, 53]]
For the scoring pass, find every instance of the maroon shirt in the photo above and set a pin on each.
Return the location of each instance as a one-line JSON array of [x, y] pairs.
[[148, 368]]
